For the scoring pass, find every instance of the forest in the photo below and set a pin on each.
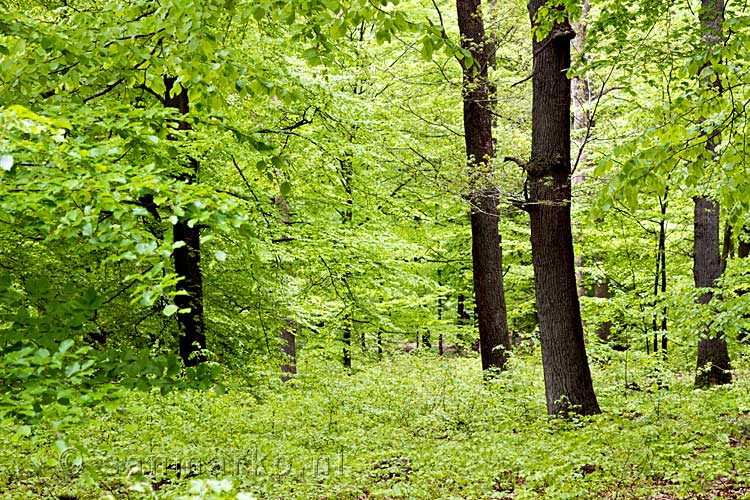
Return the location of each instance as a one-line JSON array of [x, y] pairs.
[[374, 249]]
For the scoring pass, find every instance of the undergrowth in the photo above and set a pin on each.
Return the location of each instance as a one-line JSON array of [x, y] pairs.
[[406, 427]]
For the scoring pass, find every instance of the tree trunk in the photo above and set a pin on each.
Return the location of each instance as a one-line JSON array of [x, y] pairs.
[[743, 244], [187, 258], [727, 248], [289, 348], [440, 316], [581, 122], [581, 98], [347, 216], [566, 372], [601, 291], [743, 252], [462, 317], [660, 276], [347, 337], [713, 356], [487, 257]]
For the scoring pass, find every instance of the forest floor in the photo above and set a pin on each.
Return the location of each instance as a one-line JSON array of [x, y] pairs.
[[409, 427]]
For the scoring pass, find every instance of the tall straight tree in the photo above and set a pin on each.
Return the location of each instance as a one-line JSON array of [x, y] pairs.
[[486, 252], [567, 376], [713, 356], [188, 256]]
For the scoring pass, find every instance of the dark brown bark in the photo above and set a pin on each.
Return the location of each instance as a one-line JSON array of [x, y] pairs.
[[289, 348], [713, 356], [347, 216], [660, 276], [187, 258], [426, 339], [743, 245], [487, 257], [566, 371], [462, 317], [601, 291], [440, 317], [743, 251], [347, 337]]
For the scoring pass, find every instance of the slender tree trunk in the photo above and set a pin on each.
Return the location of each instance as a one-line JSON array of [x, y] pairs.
[[566, 371], [581, 98], [601, 291], [487, 257], [347, 337], [663, 229], [289, 348], [713, 356], [727, 248], [660, 276], [440, 316], [347, 216], [462, 317], [187, 258]]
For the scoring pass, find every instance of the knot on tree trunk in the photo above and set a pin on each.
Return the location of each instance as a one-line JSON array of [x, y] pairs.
[[563, 32], [546, 167]]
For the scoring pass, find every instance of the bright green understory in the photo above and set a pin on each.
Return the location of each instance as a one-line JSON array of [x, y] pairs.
[[408, 427]]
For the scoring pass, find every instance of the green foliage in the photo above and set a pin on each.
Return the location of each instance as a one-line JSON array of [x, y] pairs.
[[410, 427], [330, 194]]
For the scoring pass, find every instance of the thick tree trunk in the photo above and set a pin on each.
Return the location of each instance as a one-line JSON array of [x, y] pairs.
[[713, 356], [187, 258], [566, 372], [487, 257]]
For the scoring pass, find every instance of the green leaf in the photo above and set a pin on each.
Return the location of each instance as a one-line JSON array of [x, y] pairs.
[[170, 309], [65, 345], [427, 49]]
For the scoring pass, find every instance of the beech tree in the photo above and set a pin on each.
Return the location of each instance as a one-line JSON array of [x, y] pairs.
[[486, 251], [713, 356], [567, 376]]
